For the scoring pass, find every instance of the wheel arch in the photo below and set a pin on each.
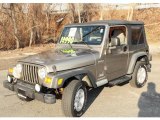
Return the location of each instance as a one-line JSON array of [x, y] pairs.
[[141, 56], [83, 75]]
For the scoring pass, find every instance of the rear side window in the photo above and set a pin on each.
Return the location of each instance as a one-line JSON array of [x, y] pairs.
[[137, 35]]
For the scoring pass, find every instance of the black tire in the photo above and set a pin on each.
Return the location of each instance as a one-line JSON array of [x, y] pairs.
[[68, 99], [134, 81]]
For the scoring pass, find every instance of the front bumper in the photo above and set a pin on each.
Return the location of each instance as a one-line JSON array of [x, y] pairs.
[[25, 90]]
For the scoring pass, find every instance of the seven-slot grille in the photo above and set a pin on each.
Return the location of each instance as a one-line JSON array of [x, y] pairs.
[[30, 73]]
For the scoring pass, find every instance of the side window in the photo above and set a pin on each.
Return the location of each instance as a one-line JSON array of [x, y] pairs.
[[118, 32], [137, 35]]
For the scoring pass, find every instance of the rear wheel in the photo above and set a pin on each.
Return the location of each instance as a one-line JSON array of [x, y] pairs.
[[140, 76], [74, 99]]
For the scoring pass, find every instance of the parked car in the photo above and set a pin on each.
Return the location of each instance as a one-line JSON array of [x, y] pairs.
[[87, 55]]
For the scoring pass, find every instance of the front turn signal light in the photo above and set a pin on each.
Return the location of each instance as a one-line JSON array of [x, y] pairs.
[[48, 80], [60, 81], [10, 70]]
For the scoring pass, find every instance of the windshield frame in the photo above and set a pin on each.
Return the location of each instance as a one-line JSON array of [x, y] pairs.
[[100, 48], [93, 25]]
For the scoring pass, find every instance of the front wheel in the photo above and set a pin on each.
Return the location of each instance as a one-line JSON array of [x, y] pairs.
[[74, 99], [140, 76]]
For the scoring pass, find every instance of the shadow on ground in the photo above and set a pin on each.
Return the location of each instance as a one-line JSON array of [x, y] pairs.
[[149, 102], [92, 95]]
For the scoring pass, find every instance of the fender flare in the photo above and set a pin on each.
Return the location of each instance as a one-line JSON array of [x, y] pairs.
[[77, 74], [133, 61]]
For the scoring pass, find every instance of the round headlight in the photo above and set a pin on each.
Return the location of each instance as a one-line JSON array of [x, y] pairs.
[[19, 68], [17, 71], [37, 88], [42, 73]]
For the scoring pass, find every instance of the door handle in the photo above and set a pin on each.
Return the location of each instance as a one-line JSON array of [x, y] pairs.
[[124, 48]]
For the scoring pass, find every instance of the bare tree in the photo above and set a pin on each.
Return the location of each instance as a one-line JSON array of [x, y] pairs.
[[79, 14], [131, 11], [101, 12], [90, 12], [48, 15], [10, 11], [72, 12], [35, 14], [14, 22]]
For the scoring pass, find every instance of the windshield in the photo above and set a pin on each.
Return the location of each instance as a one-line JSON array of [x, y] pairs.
[[90, 35]]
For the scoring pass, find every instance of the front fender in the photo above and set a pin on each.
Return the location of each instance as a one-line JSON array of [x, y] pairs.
[[69, 74], [76, 73]]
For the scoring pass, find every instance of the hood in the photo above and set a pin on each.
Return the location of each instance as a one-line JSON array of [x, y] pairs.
[[63, 59]]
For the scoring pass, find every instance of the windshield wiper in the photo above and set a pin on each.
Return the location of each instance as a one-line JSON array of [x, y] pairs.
[[90, 32]]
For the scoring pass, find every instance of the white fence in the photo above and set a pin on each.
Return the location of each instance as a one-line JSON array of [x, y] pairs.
[[137, 6]]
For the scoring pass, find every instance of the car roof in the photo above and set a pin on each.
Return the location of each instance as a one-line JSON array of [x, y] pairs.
[[109, 22]]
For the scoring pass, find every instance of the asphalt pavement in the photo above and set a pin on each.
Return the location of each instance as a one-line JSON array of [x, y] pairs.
[[117, 101]]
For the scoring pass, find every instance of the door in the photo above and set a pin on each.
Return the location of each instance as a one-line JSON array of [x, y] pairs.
[[117, 52]]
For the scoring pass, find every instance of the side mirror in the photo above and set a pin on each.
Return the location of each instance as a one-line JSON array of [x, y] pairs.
[[115, 41]]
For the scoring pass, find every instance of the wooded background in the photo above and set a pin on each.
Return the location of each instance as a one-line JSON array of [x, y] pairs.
[[24, 25]]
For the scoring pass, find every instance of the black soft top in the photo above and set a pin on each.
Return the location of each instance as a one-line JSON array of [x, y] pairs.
[[109, 22]]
